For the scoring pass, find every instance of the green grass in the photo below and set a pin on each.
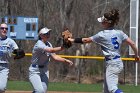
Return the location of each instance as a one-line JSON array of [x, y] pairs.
[[130, 88], [75, 87], [72, 87], [19, 85]]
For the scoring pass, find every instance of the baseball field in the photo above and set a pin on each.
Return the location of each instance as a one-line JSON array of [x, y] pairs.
[[25, 87], [48, 92]]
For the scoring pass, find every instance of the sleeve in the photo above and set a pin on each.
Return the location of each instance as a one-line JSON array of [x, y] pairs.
[[96, 38], [124, 36], [14, 45], [40, 46]]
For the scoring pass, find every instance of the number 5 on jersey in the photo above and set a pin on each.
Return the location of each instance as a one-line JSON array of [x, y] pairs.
[[115, 42]]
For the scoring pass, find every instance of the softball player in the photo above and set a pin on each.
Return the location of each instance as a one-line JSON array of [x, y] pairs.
[[7, 47], [42, 52], [110, 40]]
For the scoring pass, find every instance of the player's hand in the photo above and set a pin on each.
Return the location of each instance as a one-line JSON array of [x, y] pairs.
[[137, 58], [19, 53], [71, 39], [68, 61]]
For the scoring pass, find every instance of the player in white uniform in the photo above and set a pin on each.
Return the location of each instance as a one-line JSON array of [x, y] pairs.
[[7, 47], [110, 40], [41, 54]]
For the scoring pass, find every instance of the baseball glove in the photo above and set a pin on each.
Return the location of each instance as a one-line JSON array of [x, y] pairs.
[[19, 53], [65, 35]]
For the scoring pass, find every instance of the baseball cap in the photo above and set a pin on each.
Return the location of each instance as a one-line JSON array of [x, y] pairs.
[[44, 30]]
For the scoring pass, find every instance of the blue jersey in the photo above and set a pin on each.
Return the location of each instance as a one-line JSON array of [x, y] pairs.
[[6, 48], [40, 56], [110, 41]]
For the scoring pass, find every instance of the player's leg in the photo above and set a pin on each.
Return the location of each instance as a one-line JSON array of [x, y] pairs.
[[112, 73], [44, 79], [3, 77], [34, 77], [105, 87]]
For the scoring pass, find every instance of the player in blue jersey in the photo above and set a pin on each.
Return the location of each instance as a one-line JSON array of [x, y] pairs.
[[41, 54], [110, 40], [7, 47]]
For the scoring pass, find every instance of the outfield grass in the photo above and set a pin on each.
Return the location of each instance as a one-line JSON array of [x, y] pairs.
[[19, 85], [72, 87]]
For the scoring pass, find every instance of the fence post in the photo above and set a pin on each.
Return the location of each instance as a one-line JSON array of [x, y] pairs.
[[77, 65]]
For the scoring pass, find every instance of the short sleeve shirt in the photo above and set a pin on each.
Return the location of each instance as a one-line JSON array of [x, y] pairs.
[[6, 48], [110, 41], [39, 55]]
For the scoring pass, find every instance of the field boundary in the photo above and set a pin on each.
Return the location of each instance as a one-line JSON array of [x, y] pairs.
[[47, 92]]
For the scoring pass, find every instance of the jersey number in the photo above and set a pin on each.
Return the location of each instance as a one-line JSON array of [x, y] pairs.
[[115, 42]]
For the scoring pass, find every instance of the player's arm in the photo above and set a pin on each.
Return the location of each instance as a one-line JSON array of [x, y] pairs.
[[133, 46], [60, 59], [80, 40], [53, 50]]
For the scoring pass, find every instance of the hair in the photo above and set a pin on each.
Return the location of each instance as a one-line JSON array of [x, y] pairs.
[[38, 32], [3, 23], [112, 17]]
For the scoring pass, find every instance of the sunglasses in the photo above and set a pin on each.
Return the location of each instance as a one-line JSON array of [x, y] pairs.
[[47, 34], [2, 28]]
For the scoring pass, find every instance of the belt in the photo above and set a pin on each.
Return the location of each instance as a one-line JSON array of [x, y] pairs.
[[107, 59], [39, 66], [3, 63]]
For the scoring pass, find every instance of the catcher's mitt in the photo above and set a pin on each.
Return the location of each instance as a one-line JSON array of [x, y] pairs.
[[65, 35], [19, 53]]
